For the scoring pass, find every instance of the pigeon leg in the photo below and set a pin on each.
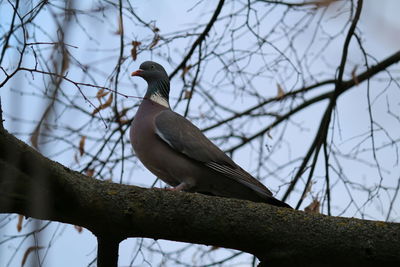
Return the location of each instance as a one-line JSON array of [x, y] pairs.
[[180, 187]]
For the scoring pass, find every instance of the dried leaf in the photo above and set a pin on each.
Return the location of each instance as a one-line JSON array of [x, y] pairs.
[[281, 92], [76, 158], [317, 3], [101, 94], [155, 41], [313, 207], [20, 221], [65, 61], [134, 53], [108, 102], [354, 76], [82, 145], [124, 122], [78, 228], [27, 252], [120, 30], [188, 94], [135, 45], [105, 105], [186, 69], [322, 3], [90, 172]]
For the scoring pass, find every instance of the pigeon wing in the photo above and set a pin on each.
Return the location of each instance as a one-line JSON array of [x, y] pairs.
[[184, 137]]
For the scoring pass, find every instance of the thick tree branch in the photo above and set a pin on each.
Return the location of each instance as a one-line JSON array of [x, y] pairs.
[[107, 251], [35, 186]]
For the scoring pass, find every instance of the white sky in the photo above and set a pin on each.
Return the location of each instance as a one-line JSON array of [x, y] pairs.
[[380, 23]]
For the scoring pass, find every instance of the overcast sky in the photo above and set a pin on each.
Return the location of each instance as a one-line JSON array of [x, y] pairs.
[[380, 22]]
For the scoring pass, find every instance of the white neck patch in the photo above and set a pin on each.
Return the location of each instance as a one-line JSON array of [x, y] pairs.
[[159, 100]]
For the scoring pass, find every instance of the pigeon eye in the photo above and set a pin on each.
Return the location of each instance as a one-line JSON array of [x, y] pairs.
[[152, 67]]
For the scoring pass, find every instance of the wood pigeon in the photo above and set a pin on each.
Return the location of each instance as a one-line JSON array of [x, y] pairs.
[[178, 153]]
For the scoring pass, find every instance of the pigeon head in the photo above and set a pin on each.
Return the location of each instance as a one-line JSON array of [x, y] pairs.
[[157, 80], [151, 71]]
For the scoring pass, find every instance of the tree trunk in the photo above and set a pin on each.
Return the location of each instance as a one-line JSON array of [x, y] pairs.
[[35, 186]]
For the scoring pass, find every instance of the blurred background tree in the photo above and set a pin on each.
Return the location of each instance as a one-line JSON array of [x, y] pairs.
[[302, 94]]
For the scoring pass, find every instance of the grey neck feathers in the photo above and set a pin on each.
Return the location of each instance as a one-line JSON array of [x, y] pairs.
[[158, 91], [159, 87]]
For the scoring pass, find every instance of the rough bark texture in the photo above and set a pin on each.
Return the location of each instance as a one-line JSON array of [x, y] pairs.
[[35, 186]]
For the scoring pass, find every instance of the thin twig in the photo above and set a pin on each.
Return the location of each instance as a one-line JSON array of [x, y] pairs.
[[200, 39]]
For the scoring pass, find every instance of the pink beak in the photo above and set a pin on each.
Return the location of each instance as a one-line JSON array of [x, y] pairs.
[[137, 73]]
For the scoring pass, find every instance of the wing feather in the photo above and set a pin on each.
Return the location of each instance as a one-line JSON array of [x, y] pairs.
[[184, 137]]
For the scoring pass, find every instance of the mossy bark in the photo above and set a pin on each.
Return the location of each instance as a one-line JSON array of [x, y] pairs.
[[35, 186]]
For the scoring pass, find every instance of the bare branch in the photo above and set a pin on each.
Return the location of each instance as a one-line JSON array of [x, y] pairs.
[[200, 39]]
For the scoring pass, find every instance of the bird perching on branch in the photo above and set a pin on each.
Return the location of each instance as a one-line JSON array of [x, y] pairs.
[[177, 152]]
